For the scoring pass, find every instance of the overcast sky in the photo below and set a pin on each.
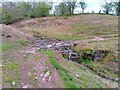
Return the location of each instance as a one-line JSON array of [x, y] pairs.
[[95, 5]]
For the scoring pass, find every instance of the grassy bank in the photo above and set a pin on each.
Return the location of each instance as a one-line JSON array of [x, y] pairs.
[[69, 81]]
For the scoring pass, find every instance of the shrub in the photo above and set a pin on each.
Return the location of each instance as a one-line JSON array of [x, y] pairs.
[[22, 42]]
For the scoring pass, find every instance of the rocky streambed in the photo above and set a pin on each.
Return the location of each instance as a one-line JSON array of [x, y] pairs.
[[65, 48], [61, 46]]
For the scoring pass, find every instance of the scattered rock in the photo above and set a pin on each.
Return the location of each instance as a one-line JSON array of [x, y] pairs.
[[117, 79], [30, 52], [1, 65], [25, 56], [74, 57], [98, 39], [43, 79], [36, 78], [47, 74], [29, 73], [77, 75], [50, 77], [25, 86], [65, 48], [41, 75], [57, 45], [13, 83], [49, 46]]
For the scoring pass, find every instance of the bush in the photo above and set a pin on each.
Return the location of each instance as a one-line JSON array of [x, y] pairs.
[[22, 42], [6, 18], [11, 12]]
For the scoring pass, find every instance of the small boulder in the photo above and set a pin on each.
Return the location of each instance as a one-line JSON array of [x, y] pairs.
[[13, 83]]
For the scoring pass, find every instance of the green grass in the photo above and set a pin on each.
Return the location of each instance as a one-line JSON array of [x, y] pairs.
[[69, 81], [11, 73], [7, 46], [22, 42], [37, 58], [101, 68], [87, 78], [81, 28], [13, 66]]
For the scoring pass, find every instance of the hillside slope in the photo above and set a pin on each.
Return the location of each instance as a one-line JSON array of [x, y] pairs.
[[26, 65]]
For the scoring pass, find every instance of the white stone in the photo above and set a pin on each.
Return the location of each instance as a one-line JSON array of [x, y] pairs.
[[43, 80], [46, 74], [48, 46], [77, 75], [116, 79], [41, 75], [50, 77], [29, 73], [36, 78], [25, 86], [13, 83], [57, 44], [30, 52], [1, 65]]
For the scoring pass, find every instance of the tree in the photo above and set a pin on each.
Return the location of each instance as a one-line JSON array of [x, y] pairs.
[[71, 6], [10, 7], [107, 7], [13, 11], [9, 12], [83, 5], [40, 9], [43, 9], [52, 7], [24, 8], [116, 6], [6, 17], [61, 8]]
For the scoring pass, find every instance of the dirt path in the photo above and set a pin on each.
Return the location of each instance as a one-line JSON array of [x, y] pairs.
[[35, 69], [89, 40]]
